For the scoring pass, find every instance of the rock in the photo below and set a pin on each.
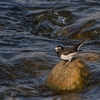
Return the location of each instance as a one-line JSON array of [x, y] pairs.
[[68, 77], [89, 56]]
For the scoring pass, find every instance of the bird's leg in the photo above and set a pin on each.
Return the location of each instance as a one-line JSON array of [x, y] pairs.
[[70, 60]]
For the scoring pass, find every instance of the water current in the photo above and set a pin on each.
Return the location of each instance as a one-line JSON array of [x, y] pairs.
[[29, 32]]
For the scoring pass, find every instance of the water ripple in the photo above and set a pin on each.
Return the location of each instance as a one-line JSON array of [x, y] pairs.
[[29, 32]]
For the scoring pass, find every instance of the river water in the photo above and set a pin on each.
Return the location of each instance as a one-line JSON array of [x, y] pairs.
[[29, 31]]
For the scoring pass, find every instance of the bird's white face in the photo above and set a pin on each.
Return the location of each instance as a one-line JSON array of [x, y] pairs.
[[58, 48]]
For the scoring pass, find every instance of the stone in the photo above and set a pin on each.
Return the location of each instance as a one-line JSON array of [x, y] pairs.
[[89, 56], [68, 76]]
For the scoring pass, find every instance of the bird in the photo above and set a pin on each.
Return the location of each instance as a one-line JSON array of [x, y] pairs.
[[67, 53]]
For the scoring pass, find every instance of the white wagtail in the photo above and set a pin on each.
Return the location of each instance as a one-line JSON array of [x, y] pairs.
[[68, 53]]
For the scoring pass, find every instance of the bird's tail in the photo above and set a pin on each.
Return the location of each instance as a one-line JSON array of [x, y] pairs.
[[77, 47]]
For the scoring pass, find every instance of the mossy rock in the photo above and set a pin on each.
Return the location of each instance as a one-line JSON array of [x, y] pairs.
[[68, 77]]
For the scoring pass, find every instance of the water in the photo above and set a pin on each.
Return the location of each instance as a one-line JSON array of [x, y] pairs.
[[29, 31]]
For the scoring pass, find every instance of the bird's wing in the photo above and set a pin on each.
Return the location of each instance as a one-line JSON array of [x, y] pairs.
[[68, 50]]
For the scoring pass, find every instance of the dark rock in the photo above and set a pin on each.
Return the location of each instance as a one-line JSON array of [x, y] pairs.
[[68, 77]]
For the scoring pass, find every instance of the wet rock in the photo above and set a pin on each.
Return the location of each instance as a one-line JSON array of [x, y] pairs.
[[89, 56], [68, 77]]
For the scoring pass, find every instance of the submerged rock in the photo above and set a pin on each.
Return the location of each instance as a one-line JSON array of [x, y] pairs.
[[89, 56], [68, 77]]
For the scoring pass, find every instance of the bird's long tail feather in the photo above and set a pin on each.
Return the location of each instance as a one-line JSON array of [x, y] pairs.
[[77, 47]]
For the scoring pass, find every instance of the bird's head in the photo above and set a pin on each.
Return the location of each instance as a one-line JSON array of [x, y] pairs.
[[59, 48]]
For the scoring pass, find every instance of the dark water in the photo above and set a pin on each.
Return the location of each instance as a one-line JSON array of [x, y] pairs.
[[29, 31]]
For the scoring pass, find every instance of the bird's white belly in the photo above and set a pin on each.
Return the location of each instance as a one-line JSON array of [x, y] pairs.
[[68, 57]]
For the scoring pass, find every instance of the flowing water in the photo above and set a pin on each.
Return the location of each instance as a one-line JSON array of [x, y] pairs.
[[29, 31]]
